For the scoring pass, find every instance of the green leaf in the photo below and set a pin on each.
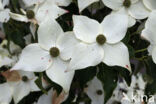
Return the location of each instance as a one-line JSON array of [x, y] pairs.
[[126, 38], [15, 31], [125, 74], [39, 83], [85, 75], [109, 77], [131, 51], [151, 72]]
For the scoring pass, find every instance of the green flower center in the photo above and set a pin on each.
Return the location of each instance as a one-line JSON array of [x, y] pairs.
[[30, 14], [101, 39], [25, 79], [54, 51], [127, 3], [99, 92]]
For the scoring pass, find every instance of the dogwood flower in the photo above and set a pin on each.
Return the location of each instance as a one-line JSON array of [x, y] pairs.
[[95, 91], [4, 13], [47, 8], [135, 9], [5, 94], [5, 58], [52, 98], [150, 4], [52, 53], [21, 83], [82, 4], [100, 42], [150, 34]]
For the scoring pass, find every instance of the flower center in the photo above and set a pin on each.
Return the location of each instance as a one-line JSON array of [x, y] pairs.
[[99, 92], [101, 39], [127, 3], [30, 14], [25, 79], [54, 51]]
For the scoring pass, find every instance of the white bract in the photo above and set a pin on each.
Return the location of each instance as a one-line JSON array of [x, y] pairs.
[[4, 13], [5, 57], [100, 42], [51, 54], [149, 33], [51, 9], [150, 4], [42, 9], [5, 94], [85, 3], [135, 9], [28, 16], [52, 98], [95, 91], [23, 86], [19, 84]]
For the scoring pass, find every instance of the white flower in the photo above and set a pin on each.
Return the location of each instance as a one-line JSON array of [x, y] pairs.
[[149, 33], [47, 8], [135, 9], [5, 94], [85, 3], [150, 4], [21, 83], [95, 91], [27, 39], [52, 53], [4, 13], [5, 58], [100, 42], [52, 98]]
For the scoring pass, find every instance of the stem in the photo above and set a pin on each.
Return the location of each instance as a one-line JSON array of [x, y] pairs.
[[141, 50], [142, 58]]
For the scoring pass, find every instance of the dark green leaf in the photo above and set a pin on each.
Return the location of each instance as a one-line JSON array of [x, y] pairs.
[[109, 77], [39, 83]]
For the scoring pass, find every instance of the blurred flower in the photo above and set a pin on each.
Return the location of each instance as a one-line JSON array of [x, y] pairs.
[[4, 13], [42, 9], [52, 98], [21, 83], [135, 91], [149, 33], [135, 9]]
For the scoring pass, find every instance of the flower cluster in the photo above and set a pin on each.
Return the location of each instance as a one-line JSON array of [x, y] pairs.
[[54, 57]]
